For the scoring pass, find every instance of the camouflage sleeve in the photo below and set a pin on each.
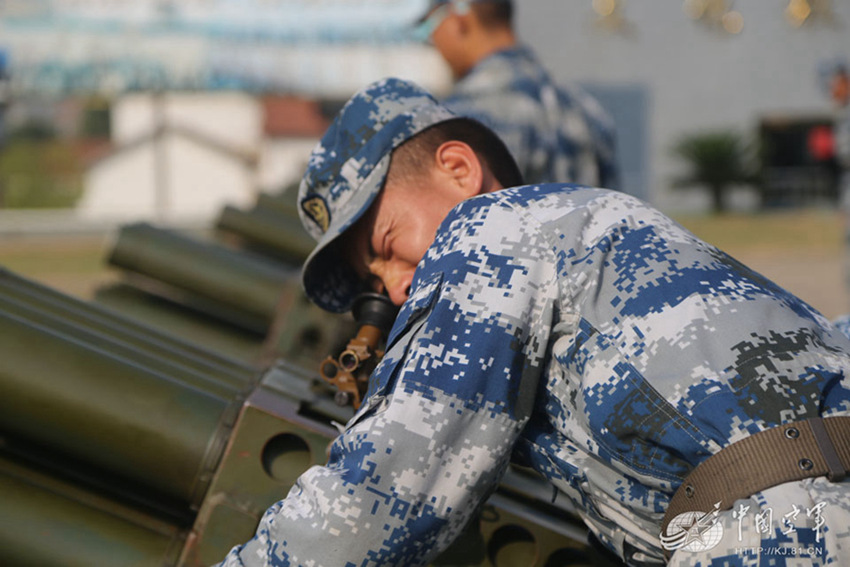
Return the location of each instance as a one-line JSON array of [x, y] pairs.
[[442, 414]]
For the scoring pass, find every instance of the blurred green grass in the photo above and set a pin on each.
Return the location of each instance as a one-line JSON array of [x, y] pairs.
[[72, 264], [816, 230], [44, 255], [40, 173]]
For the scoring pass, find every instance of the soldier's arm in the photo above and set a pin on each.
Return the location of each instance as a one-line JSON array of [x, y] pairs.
[[444, 408]]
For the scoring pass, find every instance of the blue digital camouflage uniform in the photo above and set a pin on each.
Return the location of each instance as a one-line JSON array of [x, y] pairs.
[[555, 133], [573, 330]]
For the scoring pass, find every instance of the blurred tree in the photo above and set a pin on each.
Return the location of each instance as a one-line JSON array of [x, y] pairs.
[[39, 173], [717, 161], [96, 118], [32, 131]]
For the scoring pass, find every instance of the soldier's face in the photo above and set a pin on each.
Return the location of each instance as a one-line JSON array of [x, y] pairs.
[[388, 242], [841, 89], [450, 40]]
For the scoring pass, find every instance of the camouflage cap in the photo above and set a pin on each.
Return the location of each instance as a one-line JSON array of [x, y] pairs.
[[346, 171]]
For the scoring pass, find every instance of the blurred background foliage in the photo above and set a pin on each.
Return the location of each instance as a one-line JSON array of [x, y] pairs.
[[39, 171], [717, 161], [42, 169]]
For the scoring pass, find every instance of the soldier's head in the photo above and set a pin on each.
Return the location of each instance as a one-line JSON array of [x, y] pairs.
[[466, 31], [386, 173]]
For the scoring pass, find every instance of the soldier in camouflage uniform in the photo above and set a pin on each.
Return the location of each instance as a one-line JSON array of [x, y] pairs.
[[554, 133], [573, 330]]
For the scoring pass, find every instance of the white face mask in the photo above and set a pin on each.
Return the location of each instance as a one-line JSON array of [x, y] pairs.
[[422, 32]]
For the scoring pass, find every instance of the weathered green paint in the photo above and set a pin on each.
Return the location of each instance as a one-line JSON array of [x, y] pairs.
[[45, 521], [121, 327], [218, 338], [276, 233], [133, 422], [209, 380], [235, 282]]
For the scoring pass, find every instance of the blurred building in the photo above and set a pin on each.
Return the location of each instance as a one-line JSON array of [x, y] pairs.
[[182, 157], [326, 48]]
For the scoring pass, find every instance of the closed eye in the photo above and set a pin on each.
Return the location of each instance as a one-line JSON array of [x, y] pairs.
[[382, 249]]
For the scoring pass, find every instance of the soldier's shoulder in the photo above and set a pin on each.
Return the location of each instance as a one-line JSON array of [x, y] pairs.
[[514, 204]]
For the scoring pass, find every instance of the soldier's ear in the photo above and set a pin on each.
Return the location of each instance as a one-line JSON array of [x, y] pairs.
[[460, 167]]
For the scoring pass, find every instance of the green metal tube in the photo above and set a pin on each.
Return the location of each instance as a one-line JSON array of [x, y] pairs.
[[206, 382], [230, 341], [283, 204], [119, 416], [50, 522], [274, 231], [236, 280], [205, 377], [120, 327]]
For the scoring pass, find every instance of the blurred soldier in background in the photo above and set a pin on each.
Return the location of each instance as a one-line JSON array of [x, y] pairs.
[[554, 133]]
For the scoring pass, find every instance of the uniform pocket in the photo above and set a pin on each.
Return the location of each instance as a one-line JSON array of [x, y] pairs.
[[631, 422], [410, 319], [413, 310]]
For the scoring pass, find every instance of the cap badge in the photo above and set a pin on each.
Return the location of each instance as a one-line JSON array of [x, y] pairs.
[[316, 208]]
